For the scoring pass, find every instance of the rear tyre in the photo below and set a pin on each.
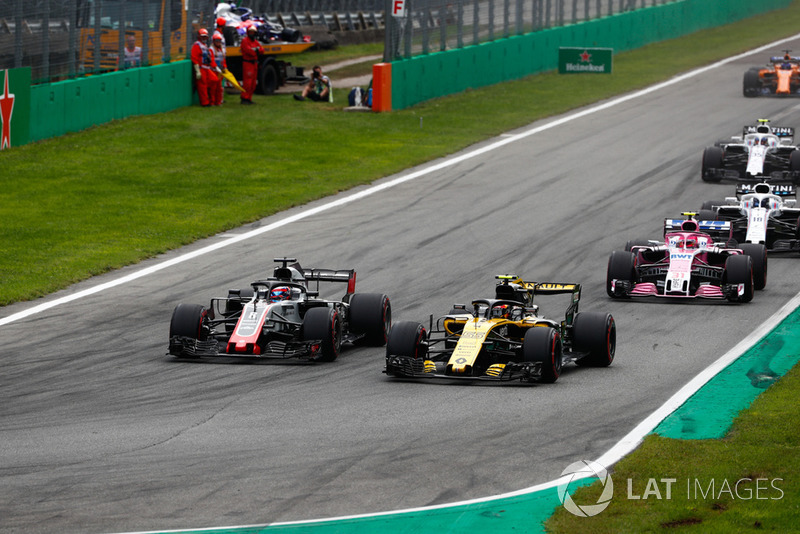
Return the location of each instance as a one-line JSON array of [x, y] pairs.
[[622, 267], [706, 215], [291, 35], [758, 257], [324, 324], [543, 344], [739, 270], [371, 315], [594, 333], [713, 158], [406, 339], [751, 84]]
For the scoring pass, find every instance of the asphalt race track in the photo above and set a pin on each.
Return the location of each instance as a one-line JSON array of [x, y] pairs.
[[100, 431]]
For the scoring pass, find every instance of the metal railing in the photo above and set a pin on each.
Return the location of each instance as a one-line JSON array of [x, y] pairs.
[[436, 25]]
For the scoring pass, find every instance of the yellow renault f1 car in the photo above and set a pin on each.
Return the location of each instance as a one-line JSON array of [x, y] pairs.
[[503, 338]]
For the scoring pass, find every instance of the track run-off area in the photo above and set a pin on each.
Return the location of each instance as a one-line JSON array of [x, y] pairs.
[[102, 431]]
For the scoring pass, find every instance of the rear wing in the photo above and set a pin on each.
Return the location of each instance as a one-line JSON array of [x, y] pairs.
[[347, 276], [720, 229], [531, 289]]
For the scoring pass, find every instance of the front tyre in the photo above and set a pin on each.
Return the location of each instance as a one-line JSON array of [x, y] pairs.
[[751, 84], [371, 315], [543, 344], [323, 324], [595, 334], [622, 268], [407, 338], [713, 158], [758, 256], [188, 323], [739, 270]]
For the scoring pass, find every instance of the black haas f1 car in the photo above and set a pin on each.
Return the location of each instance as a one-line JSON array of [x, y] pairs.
[[760, 153], [687, 264], [781, 77], [760, 214], [281, 317], [503, 339]]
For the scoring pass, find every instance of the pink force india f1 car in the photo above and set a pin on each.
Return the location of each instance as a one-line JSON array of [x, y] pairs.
[[687, 264], [503, 339], [281, 317]]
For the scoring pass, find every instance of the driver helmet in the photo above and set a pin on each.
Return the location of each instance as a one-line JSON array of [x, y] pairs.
[[502, 310], [691, 243], [764, 141], [280, 293]]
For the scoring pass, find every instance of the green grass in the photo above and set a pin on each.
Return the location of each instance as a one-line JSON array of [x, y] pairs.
[[762, 444], [89, 202]]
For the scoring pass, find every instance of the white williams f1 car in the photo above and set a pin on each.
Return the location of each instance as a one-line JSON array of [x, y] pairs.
[[761, 152], [760, 214]]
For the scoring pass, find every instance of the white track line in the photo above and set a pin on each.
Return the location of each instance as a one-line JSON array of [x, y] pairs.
[[378, 188], [635, 436]]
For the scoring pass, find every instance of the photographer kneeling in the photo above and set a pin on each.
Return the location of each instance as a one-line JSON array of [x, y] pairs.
[[318, 89]]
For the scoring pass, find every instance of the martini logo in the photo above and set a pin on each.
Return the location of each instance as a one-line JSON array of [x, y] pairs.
[[584, 60], [580, 470], [6, 112]]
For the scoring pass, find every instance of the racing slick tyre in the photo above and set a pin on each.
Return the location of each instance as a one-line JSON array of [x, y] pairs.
[[794, 166], [407, 339], [371, 315], [291, 35], [713, 158], [739, 270], [231, 36], [188, 321], [594, 333], [751, 85], [267, 78], [324, 324], [758, 256], [636, 243], [706, 215], [621, 267], [543, 344]]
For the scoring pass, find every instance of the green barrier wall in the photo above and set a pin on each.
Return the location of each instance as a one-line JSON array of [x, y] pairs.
[[73, 105], [421, 78]]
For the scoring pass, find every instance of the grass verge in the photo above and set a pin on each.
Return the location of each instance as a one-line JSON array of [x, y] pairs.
[[748, 481], [90, 202]]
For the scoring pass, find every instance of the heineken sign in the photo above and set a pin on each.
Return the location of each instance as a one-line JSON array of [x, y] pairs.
[[584, 60], [15, 105]]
